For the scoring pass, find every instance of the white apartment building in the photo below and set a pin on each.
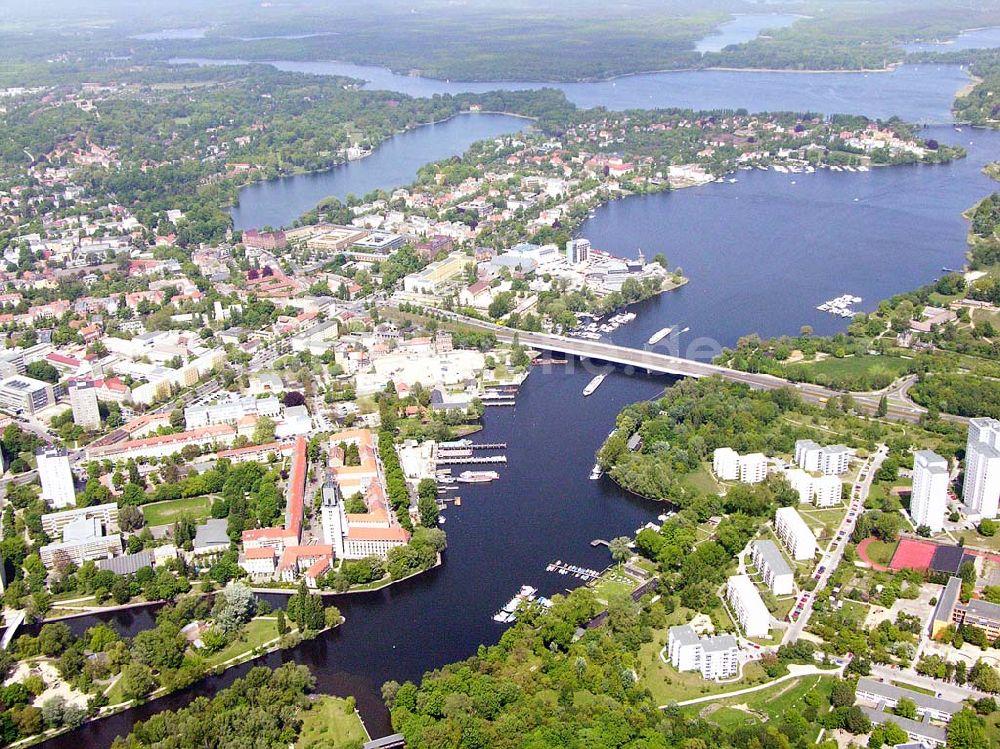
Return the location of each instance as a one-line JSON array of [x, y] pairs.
[[823, 491], [83, 400], [827, 491], [772, 566], [726, 464], [56, 477], [929, 497], [753, 468], [832, 460], [794, 534], [715, 657], [981, 490], [747, 605]]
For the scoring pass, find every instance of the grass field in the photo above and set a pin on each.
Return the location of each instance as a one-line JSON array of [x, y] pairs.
[[254, 634], [702, 480], [164, 513], [765, 705], [668, 685], [880, 552], [852, 366], [332, 723], [613, 583], [829, 519]]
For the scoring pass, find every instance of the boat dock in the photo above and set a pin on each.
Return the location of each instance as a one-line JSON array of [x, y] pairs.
[[581, 573], [454, 460]]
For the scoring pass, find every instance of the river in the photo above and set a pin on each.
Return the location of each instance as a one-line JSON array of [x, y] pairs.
[[761, 253]]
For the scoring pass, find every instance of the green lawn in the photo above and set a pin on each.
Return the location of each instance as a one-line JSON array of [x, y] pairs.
[[852, 366], [768, 704], [730, 718], [613, 583], [880, 552], [914, 688], [829, 518], [702, 480], [254, 634], [331, 723], [668, 685], [165, 513]]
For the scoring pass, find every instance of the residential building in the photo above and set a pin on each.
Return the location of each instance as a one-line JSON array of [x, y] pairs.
[[259, 562], [832, 460], [883, 695], [777, 574], [747, 606], [291, 533], [22, 394], [726, 464], [83, 400], [794, 534], [826, 491], [56, 477], [929, 497], [981, 490], [715, 657], [370, 533], [753, 468]]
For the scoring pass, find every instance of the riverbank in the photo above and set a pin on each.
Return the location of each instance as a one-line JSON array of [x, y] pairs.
[[386, 582], [254, 652]]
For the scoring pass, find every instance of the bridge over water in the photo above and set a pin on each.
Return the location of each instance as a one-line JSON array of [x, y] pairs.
[[668, 364]]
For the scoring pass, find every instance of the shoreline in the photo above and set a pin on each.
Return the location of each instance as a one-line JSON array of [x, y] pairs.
[[528, 85], [109, 711]]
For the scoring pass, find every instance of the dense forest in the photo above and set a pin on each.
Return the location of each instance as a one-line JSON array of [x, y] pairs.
[[263, 710]]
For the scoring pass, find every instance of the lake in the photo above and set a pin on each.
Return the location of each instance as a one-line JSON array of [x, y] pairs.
[[394, 163], [744, 27], [985, 38], [917, 93]]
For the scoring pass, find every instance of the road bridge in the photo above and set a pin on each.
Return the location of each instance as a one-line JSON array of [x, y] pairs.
[[668, 364]]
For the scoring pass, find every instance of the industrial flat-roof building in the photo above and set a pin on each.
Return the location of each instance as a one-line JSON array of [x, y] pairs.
[[888, 695]]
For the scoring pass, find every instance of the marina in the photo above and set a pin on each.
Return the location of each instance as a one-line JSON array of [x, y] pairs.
[[840, 306], [581, 573], [508, 613]]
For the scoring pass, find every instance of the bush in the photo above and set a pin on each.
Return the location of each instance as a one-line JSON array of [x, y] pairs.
[[987, 527]]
